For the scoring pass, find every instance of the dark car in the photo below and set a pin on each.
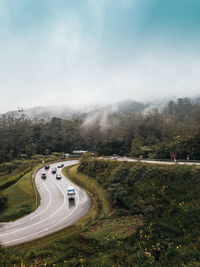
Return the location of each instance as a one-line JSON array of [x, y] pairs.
[[54, 170], [43, 175], [46, 167], [61, 165]]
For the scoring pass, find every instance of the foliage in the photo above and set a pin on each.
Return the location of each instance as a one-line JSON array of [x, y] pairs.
[[20, 199], [13, 179], [127, 132], [100, 204], [155, 223], [3, 201], [167, 196]]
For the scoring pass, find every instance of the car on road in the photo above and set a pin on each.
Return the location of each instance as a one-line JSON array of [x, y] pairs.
[[46, 167], [43, 175], [61, 165], [71, 193], [114, 156], [54, 170], [58, 176]]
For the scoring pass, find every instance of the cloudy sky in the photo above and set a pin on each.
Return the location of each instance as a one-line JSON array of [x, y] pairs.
[[92, 51]]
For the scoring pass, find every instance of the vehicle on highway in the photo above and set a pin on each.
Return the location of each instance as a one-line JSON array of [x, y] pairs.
[[61, 165], [114, 156], [54, 170], [71, 193], [43, 175], [58, 175], [46, 167]]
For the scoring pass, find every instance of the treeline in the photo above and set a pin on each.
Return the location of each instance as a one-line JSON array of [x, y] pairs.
[[153, 134], [168, 199]]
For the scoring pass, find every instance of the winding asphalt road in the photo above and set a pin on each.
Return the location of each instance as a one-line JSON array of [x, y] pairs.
[[54, 213]]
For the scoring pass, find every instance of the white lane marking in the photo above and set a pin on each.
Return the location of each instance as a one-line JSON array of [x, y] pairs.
[[46, 229], [21, 229], [44, 220], [63, 202], [47, 205], [32, 217], [41, 211], [66, 216]]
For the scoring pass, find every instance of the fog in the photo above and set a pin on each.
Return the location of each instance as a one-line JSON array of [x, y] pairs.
[[88, 78], [63, 64]]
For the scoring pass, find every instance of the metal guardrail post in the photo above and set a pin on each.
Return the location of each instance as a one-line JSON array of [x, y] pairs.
[[33, 184]]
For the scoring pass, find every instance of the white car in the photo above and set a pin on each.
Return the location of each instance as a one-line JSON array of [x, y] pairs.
[[58, 175], [71, 193]]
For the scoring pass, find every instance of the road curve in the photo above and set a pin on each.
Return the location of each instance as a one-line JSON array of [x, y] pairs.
[[54, 212], [158, 161]]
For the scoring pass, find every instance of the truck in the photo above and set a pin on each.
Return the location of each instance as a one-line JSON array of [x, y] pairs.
[[71, 193]]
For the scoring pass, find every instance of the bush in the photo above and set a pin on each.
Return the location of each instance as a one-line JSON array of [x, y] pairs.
[[3, 201], [14, 179]]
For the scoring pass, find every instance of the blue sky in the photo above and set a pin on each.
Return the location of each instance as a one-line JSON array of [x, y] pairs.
[[80, 52]]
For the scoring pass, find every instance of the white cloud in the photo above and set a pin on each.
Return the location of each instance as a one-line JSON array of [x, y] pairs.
[[65, 65]]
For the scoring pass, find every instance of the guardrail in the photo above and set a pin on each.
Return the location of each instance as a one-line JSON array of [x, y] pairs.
[[165, 160], [33, 184]]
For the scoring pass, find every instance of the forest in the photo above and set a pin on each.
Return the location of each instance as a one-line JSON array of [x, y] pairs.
[[128, 132]]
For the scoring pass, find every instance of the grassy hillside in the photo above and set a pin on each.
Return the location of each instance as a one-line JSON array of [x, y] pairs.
[[167, 197], [154, 220], [21, 199]]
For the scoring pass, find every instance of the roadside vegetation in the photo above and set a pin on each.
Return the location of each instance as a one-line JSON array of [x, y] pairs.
[[101, 205], [21, 199], [154, 219], [168, 201]]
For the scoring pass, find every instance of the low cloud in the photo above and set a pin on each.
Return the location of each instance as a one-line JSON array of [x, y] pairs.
[[65, 65]]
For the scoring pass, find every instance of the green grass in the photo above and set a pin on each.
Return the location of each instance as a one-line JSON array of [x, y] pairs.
[[98, 239], [101, 206], [167, 197], [21, 199], [114, 228]]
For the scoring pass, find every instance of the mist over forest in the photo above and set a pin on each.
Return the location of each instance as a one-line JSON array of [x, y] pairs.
[[127, 128]]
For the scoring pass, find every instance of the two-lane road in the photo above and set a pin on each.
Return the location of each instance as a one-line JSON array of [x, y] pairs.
[[54, 213]]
